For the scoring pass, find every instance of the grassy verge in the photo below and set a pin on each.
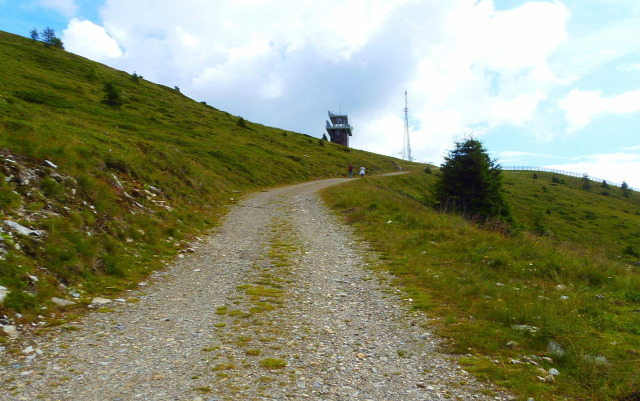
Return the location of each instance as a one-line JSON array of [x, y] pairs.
[[517, 306]]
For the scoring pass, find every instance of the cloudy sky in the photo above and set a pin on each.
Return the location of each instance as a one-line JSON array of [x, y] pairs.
[[553, 83]]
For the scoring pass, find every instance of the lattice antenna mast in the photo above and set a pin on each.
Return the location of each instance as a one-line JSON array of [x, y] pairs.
[[406, 144]]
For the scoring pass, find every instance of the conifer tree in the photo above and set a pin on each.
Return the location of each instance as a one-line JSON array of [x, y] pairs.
[[471, 183], [625, 189]]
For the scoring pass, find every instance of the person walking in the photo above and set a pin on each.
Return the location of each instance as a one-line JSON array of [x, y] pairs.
[[362, 171], [350, 171]]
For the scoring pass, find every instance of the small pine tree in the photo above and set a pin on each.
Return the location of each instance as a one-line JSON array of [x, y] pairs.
[[539, 227], [47, 35], [241, 122], [471, 183], [625, 189], [586, 182], [34, 34], [324, 137], [49, 38], [112, 95], [604, 184]]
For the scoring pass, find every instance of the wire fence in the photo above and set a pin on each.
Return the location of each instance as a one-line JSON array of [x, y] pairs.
[[563, 172]]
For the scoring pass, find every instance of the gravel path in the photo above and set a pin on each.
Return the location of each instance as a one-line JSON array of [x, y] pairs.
[[277, 304]]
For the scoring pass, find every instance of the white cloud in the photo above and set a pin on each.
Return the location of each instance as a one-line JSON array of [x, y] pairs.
[[582, 107], [90, 40], [467, 67], [513, 156], [630, 67], [612, 167], [67, 8], [489, 68]]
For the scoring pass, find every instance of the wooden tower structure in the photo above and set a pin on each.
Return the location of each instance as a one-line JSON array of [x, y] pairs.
[[339, 129]]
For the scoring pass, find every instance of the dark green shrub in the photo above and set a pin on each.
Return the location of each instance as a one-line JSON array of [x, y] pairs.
[[628, 250], [241, 122], [118, 165], [20, 300], [44, 98], [51, 188], [112, 95], [538, 223], [16, 125], [8, 198], [633, 296]]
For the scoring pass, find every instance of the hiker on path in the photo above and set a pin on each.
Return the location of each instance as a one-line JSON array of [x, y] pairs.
[[362, 171], [350, 171]]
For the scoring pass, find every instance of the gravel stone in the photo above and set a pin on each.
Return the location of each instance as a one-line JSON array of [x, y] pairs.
[[279, 303]]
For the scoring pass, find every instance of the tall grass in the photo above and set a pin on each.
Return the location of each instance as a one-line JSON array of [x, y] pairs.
[[564, 300]]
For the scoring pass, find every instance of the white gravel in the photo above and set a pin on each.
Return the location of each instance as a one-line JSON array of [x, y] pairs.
[[280, 282]]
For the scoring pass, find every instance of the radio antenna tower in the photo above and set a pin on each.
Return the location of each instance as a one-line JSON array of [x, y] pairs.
[[406, 145]]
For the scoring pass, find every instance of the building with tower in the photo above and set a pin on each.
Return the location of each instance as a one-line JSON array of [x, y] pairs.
[[339, 129]]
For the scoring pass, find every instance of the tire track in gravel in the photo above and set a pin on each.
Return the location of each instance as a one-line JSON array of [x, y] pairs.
[[277, 304]]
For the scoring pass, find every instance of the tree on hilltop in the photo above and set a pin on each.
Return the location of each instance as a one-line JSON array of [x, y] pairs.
[[471, 183], [625, 189], [49, 38]]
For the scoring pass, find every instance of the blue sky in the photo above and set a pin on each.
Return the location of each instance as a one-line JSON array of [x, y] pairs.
[[541, 83]]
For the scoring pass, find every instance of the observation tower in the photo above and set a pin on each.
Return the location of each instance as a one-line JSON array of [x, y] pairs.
[[339, 129]]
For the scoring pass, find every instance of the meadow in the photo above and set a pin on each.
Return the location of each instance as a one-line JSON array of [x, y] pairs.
[[517, 303]]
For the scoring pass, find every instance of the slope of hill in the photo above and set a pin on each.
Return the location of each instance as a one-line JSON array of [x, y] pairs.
[[599, 217], [104, 174], [518, 305]]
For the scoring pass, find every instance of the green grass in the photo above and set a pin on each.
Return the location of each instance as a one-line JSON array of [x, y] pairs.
[[179, 161], [273, 363], [580, 293]]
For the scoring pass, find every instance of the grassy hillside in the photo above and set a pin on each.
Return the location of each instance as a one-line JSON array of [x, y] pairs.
[[516, 306], [558, 206], [109, 192]]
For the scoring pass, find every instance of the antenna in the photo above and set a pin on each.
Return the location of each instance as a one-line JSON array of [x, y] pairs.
[[406, 145]]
